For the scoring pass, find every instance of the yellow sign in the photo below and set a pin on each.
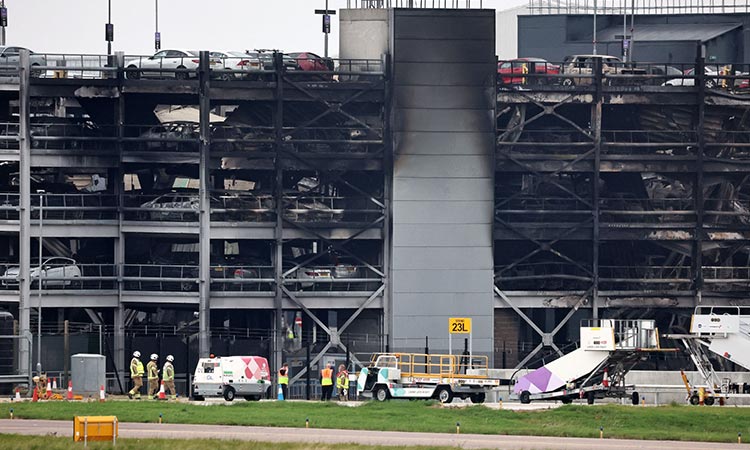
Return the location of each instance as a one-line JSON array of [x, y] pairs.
[[457, 325]]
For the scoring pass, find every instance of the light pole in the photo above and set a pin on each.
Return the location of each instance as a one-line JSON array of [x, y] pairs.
[[157, 35], [39, 285], [595, 12], [109, 29], [326, 13], [3, 21]]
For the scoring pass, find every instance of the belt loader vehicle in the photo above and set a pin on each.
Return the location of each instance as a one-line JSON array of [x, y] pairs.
[[422, 376], [609, 350], [230, 376]]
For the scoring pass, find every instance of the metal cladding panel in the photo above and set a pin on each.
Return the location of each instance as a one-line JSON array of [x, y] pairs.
[[432, 258], [458, 189], [468, 97], [445, 74], [443, 174], [443, 120], [446, 166], [440, 235], [442, 212], [443, 143]]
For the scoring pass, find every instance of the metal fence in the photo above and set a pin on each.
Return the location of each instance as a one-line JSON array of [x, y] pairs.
[[619, 7], [452, 4]]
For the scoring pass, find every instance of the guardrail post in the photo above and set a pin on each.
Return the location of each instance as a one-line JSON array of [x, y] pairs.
[[24, 308]]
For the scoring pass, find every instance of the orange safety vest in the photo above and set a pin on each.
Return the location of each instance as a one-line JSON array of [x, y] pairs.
[[327, 380]]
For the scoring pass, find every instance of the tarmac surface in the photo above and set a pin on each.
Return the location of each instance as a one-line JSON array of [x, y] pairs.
[[329, 436]]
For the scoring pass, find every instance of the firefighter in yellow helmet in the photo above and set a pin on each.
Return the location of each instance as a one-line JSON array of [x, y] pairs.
[[168, 377], [152, 369], [136, 374]]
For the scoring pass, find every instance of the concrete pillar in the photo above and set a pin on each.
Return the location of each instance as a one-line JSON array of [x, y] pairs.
[[24, 245], [119, 250]]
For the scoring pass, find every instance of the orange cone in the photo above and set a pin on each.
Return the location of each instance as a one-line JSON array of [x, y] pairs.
[[18, 395], [162, 393], [605, 378], [102, 396], [54, 383], [35, 395], [69, 396], [48, 394]]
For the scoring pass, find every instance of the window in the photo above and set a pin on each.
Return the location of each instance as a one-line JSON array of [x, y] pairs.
[[505, 65], [175, 54], [162, 54]]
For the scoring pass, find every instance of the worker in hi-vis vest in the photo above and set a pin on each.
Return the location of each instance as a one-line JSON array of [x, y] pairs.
[[136, 374], [326, 382], [342, 383], [152, 369], [283, 379], [168, 377]]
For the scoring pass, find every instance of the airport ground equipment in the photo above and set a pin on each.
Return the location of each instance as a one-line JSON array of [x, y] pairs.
[[724, 331], [231, 376], [609, 350], [423, 376]]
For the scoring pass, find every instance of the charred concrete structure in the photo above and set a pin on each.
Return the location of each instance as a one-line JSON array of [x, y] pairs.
[[356, 209]]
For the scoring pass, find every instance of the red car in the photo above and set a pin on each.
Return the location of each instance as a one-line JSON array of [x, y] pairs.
[[312, 63], [513, 71]]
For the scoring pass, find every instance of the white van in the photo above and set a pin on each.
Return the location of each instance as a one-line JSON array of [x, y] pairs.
[[230, 376]]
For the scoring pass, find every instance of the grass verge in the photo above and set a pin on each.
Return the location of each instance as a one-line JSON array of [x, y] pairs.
[[662, 423], [17, 442]]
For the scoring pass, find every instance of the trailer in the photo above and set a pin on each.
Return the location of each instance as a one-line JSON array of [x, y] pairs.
[[723, 331], [230, 376], [609, 350], [422, 376]]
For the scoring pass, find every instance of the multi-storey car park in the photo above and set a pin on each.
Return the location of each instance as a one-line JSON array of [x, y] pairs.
[[355, 210]]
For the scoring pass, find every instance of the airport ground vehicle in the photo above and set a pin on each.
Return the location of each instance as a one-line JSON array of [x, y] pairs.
[[232, 376], [421, 376], [723, 331], [609, 350]]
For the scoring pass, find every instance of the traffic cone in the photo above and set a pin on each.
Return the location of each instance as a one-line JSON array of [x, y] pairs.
[[35, 395], [54, 383], [162, 393], [280, 394], [102, 396], [605, 378], [18, 395], [69, 396], [48, 394]]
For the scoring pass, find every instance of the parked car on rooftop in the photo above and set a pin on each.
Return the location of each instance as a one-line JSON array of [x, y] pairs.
[[171, 63], [513, 71], [310, 62], [10, 58], [56, 271], [235, 65]]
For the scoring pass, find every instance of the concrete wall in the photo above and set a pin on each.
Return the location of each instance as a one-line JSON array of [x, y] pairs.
[[364, 33], [443, 175], [506, 38]]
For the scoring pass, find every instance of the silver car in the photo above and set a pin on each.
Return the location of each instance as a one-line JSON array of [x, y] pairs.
[[10, 59], [55, 271]]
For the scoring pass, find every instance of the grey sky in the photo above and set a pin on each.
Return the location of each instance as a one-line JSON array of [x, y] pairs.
[[77, 26]]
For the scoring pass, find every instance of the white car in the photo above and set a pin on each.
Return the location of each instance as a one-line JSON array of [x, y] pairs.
[[235, 65], [710, 78], [10, 59], [178, 64], [56, 271]]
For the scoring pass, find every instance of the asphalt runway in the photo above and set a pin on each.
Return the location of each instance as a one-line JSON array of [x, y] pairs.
[[264, 434]]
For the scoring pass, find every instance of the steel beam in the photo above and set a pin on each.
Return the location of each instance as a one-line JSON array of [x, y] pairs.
[[119, 251], [698, 189], [204, 270], [278, 346], [596, 131]]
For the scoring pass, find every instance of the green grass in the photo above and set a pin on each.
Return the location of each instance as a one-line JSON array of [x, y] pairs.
[[16, 442], [666, 422]]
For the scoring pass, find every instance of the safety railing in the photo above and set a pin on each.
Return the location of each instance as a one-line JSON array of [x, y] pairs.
[[9, 206], [669, 143], [564, 141], [645, 277], [332, 278], [8, 133], [618, 7], [237, 206], [432, 4], [157, 277], [242, 278], [347, 139], [541, 209], [542, 276], [51, 133], [170, 207], [91, 206], [178, 136], [719, 275], [74, 66], [71, 276], [628, 334], [647, 210]]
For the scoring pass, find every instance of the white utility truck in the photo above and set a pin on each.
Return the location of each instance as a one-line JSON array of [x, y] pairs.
[[230, 376], [421, 376]]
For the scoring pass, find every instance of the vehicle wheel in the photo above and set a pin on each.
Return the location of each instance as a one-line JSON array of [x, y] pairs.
[[229, 393], [252, 398], [444, 395], [181, 74], [132, 73], [568, 82], [186, 286], [525, 397], [709, 401], [694, 399], [566, 400], [76, 284], [381, 394], [635, 398], [478, 398], [226, 77], [590, 398], [710, 84]]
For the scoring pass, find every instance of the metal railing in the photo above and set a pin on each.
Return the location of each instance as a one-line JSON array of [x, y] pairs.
[[618, 7], [242, 278], [91, 206], [330, 278], [69, 278], [156, 277], [433, 4]]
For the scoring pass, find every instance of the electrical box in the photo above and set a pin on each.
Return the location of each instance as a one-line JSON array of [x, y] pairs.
[[95, 428], [88, 373]]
